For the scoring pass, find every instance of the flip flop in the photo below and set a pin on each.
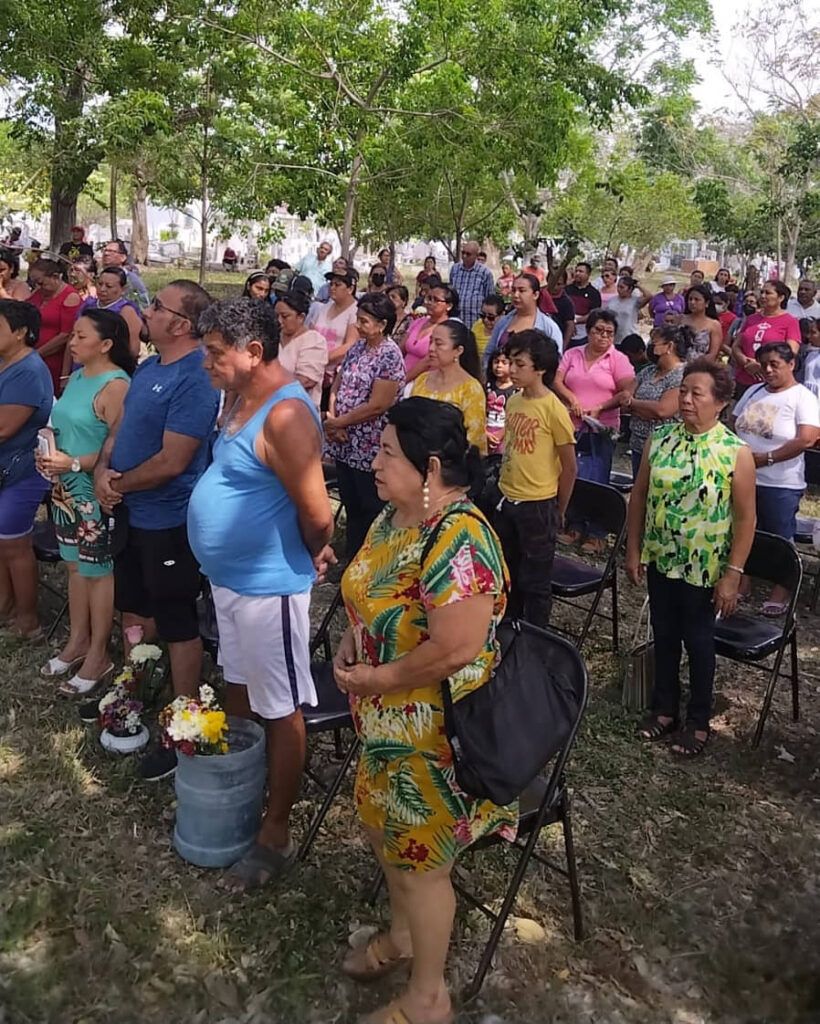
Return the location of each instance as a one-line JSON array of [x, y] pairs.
[[370, 962], [774, 609], [394, 1013], [10, 633], [258, 867], [76, 686], [58, 667]]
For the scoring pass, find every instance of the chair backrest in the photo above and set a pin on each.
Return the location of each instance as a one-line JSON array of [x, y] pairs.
[[600, 504], [564, 661], [321, 638], [775, 560], [812, 457]]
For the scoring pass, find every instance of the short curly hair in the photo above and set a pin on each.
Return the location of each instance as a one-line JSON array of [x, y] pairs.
[[241, 321]]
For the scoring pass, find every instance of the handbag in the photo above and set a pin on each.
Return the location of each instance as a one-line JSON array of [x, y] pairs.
[[503, 733], [638, 670]]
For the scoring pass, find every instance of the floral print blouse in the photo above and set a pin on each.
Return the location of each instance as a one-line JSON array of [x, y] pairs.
[[362, 366]]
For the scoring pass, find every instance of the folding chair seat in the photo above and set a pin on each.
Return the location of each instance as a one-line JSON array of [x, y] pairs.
[[605, 507], [47, 551], [751, 639]]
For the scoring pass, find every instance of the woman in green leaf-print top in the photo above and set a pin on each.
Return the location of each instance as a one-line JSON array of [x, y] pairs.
[[692, 523], [418, 617]]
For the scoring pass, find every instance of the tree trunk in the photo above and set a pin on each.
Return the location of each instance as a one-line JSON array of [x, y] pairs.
[[204, 215], [351, 195], [112, 202], [63, 214], [139, 224]]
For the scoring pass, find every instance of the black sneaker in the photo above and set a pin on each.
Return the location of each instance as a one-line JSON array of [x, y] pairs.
[[89, 711], [157, 764]]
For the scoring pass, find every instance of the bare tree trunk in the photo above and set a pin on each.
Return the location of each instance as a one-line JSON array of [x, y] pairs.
[[351, 195], [112, 201], [139, 223], [779, 244], [63, 215], [69, 169]]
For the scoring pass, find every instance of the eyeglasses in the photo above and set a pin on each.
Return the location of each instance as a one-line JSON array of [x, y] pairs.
[[602, 332], [434, 298], [489, 317], [159, 306]]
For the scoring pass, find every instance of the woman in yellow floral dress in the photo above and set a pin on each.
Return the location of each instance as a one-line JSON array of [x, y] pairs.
[[412, 626]]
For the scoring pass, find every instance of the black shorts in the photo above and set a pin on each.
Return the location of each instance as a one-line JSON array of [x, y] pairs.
[[157, 577]]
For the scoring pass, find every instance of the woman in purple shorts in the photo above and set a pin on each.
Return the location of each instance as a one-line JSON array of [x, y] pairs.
[[26, 397]]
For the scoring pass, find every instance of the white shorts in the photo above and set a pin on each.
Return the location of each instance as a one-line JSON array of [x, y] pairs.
[[264, 645]]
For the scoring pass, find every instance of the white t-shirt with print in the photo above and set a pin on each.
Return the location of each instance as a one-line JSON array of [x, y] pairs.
[[766, 420]]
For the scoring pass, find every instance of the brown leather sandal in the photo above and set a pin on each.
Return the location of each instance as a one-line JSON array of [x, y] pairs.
[[372, 961]]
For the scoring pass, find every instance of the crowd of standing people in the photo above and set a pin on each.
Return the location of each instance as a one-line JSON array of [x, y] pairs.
[[182, 440]]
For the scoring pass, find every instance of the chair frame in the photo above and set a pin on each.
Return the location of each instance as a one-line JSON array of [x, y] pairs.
[[314, 726], [788, 637], [45, 584], [554, 808], [609, 573]]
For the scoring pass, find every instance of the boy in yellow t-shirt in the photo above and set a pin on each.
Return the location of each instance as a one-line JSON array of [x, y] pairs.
[[537, 475]]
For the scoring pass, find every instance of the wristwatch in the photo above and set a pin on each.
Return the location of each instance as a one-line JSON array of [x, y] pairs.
[[75, 465], [770, 458]]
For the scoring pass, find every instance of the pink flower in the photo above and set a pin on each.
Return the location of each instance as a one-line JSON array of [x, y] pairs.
[[462, 569], [134, 635], [463, 832]]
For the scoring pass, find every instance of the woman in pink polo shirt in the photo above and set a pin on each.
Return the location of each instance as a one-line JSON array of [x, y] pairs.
[[593, 379]]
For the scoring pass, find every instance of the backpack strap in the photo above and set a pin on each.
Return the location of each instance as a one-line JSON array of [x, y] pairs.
[[434, 533]]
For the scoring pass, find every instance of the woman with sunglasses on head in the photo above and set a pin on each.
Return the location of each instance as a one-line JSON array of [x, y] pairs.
[[442, 304], [525, 316], [112, 295]]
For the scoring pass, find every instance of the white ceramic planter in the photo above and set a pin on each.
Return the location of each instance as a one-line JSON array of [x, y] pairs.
[[124, 744]]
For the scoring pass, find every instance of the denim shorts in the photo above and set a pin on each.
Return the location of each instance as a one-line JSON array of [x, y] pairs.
[[777, 510], [18, 505]]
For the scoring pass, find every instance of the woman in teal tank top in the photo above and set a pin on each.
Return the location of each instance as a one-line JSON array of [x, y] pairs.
[[90, 406]]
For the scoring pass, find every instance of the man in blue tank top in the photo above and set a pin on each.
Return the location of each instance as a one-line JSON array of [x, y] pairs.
[[150, 464], [259, 521]]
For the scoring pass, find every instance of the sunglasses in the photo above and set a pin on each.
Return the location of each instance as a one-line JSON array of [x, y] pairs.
[[159, 306], [489, 317]]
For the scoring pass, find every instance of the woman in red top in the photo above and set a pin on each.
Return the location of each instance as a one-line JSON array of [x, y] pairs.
[[771, 324], [58, 304]]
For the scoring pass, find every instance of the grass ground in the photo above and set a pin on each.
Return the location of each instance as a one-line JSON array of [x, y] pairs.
[[699, 881]]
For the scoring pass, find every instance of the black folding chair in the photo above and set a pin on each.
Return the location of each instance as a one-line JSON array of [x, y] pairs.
[[806, 525], [546, 801], [331, 714], [47, 551], [751, 639], [605, 507]]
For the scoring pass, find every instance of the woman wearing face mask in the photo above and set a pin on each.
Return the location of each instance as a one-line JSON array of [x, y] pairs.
[[656, 398], [701, 316], [377, 279], [442, 303], [770, 325]]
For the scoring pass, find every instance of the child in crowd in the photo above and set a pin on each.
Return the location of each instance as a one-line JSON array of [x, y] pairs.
[[537, 475], [808, 357], [499, 389]]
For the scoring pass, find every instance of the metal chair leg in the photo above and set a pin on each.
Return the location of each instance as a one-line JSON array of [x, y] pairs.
[[615, 610], [572, 872], [815, 591], [795, 679], [375, 887], [330, 796], [767, 700], [58, 619]]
